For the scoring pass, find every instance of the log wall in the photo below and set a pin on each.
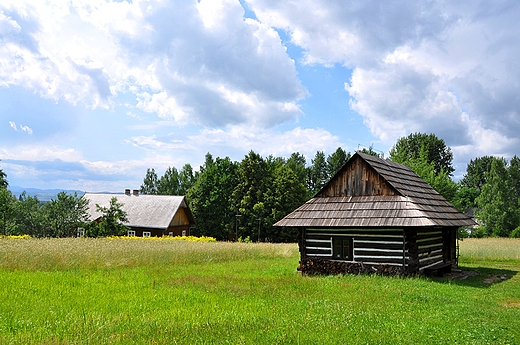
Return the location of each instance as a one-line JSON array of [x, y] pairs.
[[369, 246], [430, 248], [413, 248]]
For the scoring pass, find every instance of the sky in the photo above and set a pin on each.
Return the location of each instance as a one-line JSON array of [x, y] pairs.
[[94, 92]]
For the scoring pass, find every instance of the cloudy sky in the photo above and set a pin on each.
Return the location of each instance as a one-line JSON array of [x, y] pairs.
[[93, 92]]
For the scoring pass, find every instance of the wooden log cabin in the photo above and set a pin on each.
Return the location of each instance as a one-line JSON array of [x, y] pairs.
[[148, 215], [377, 215]]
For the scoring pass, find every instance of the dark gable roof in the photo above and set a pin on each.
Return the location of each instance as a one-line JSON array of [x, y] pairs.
[[415, 203], [144, 211]]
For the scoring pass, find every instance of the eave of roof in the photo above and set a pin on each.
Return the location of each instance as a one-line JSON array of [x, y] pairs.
[[374, 211]]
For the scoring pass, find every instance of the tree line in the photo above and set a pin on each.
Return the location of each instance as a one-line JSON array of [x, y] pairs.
[[232, 200], [64, 216], [243, 199]]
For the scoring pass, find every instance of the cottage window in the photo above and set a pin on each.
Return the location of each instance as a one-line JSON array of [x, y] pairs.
[[183, 233], [170, 234], [342, 248], [147, 234], [131, 233]]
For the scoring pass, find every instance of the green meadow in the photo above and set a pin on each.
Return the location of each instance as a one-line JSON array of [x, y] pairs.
[[115, 291]]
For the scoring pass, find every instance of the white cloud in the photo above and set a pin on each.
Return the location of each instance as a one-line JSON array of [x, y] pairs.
[[39, 153], [191, 62], [164, 106], [26, 129], [234, 141], [23, 128], [427, 66], [304, 140]]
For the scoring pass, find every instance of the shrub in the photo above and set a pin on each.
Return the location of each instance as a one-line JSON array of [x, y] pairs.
[[515, 233]]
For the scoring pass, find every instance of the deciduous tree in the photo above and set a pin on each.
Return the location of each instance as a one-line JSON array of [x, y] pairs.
[[425, 168], [497, 209], [477, 171], [29, 216], [209, 198], [7, 207], [168, 184], [65, 214], [408, 148], [111, 223], [285, 194], [3, 179], [186, 179], [253, 176]]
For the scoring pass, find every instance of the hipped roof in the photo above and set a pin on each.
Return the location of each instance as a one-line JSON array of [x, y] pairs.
[[415, 203], [143, 211]]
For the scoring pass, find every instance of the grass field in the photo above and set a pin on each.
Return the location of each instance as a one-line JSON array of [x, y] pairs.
[[100, 291]]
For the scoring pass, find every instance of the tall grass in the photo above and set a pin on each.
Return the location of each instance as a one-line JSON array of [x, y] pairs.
[[99, 291], [489, 249], [97, 253]]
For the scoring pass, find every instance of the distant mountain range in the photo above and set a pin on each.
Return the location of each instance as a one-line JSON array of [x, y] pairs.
[[42, 194]]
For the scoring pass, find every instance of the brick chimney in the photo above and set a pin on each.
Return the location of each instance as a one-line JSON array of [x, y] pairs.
[[136, 191], [127, 191]]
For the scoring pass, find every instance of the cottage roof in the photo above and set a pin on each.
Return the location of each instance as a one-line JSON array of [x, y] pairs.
[[395, 196], [146, 211]]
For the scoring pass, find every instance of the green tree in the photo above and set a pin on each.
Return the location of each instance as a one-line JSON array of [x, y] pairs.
[[477, 171], [111, 221], [29, 216], [168, 184], [440, 181], [253, 175], [465, 197], [150, 182], [285, 194], [408, 148], [186, 179], [7, 207], [317, 173], [472, 182], [65, 214], [514, 177], [208, 161], [497, 211], [3, 180], [297, 163], [336, 160], [372, 152], [209, 198]]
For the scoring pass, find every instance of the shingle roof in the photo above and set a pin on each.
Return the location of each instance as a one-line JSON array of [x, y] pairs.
[[147, 211], [417, 204]]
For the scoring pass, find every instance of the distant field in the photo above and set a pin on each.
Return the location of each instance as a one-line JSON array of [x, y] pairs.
[[490, 249], [100, 291]]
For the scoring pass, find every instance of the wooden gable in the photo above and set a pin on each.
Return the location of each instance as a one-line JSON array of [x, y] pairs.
[[181, 218], [357, 178]]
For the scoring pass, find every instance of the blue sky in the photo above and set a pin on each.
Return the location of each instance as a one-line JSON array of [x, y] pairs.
[[94, 92]]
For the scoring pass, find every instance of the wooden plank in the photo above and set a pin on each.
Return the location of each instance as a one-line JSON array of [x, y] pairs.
[[379, 245], [430, 254], [377, 252], [381, 260]]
